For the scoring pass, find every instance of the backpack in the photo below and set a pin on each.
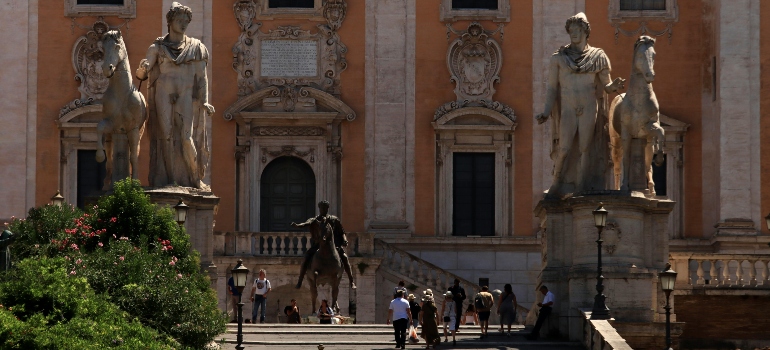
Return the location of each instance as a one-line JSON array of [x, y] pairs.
[[478, 302]]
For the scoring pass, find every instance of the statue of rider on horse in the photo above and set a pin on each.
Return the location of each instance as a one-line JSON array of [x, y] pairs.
[[340, 240]]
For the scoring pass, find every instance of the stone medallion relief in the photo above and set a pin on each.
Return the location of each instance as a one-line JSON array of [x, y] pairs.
[[87, 59], [474, 60]]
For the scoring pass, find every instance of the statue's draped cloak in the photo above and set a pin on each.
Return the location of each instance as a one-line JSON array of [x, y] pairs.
[[591, 60], [187, 51]]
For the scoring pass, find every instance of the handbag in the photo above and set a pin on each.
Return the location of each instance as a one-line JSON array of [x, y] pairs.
[[446, 319], [413, 335]]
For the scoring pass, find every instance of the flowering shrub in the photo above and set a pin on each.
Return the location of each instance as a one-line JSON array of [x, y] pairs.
[[52, 310], [134, 255]]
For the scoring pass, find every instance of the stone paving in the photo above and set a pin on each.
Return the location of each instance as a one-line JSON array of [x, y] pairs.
[[339, 337]]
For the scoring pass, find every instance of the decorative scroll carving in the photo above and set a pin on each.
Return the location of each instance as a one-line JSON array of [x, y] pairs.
[[474, 60], [329, 58], [287, 151], [644, 30], [241, 152], [75, 104], [87, 59], [287, 131], [611, 236]]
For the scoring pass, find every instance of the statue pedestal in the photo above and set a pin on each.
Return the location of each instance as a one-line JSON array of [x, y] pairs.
[[635, 249], [200, 217]]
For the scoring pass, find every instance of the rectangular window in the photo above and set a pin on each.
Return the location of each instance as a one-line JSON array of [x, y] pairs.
[[474, 4], [642, 5], [291, 3], [473, 194], [90, 178], [100, 2], [659, 177]]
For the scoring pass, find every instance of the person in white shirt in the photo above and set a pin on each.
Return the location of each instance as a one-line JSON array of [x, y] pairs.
[[545, 310], [402, 317], [259, 296], [448, 309]]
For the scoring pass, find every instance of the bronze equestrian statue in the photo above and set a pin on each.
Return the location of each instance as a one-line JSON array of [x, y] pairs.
[[340, 240]]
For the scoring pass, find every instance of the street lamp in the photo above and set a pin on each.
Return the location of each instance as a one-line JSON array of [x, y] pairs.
[[57, 200], [239, 279], [600, 310], [181, 212], [667, 280]]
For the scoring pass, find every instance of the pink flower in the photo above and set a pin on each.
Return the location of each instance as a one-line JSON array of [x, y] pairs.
[[124, 238], [179, 275], [37, 246], [74, 246], [78, 262], [73, 272], [122, 258], [113, 219], [100, 244], [172, 263]]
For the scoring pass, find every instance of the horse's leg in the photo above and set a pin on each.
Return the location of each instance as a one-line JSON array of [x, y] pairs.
[[660, 139], [313, 293], [133, 150], [104, 126], [336, 292], [648, 163], [625, 138]]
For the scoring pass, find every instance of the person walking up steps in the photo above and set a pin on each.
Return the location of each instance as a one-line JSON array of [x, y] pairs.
[[401, 315]]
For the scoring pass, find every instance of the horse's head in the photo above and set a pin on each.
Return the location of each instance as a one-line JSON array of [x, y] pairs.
[[114, 52], [644, 57], [327, 232]]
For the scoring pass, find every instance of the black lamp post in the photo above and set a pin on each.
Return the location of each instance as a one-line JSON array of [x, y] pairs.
[[180, 212], [667, 280], [600, 310], [58, 199], [239, 278]]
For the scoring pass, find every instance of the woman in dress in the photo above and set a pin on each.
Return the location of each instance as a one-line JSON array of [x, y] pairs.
[[450, 317], [292, 313], [429, 320], [325, 313], [506, 308]]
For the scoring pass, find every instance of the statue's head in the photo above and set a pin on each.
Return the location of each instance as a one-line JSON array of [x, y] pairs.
[[324, 204], [178, 17], [578, 22]]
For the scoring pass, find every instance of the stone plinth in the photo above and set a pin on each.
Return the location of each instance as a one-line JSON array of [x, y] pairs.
[[200, 216], [635, 249]]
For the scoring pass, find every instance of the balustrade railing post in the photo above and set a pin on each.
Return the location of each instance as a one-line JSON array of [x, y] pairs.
[[753, 272], [739, 273], [726, 272], [713, 272], [699, 272]]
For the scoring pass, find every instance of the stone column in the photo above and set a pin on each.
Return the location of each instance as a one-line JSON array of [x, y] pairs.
[[390, 111], [737, 108], [548, 35], [19, 106]]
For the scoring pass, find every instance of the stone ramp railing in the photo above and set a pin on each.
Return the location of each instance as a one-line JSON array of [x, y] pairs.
[[281, 244], [423, 274], [601, 335], [722, 270]]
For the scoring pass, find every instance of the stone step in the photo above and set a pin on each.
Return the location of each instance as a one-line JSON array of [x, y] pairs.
[[372, 336]]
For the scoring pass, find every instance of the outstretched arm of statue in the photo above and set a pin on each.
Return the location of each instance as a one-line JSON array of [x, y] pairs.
[[551, 90], [300, 225], [611, 86], [146, 64]]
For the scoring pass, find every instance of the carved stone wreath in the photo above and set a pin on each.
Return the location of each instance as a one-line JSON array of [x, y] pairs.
[[287, 151], [611, 234], [474, 60], [330, 51]]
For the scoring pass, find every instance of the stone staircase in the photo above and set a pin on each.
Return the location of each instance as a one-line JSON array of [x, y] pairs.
[[401, 265], [372, 336]]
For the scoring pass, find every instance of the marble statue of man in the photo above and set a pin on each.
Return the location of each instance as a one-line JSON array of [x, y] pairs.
[[178, 104], [578, 81]]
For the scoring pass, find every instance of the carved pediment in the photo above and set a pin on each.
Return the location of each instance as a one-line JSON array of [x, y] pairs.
[[474, 60], [475, 118], [673, 125], [86, 115], [290, 101]]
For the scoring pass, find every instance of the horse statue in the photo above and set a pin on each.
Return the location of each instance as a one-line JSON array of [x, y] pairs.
[[326, 266], [124, 107], [635, 114]]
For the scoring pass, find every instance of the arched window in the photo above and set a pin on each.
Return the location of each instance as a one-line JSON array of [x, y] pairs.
[[287, 194]]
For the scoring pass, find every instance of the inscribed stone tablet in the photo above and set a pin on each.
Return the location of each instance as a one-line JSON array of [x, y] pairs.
[[289, 58]]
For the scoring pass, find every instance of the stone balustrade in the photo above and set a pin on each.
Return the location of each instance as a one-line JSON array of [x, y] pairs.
[[281, 244], [420, 271], [722, 270], [601, 335]]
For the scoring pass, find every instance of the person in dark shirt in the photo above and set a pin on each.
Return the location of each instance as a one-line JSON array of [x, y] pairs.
[[458, 295], [234, 297], [415, 309]]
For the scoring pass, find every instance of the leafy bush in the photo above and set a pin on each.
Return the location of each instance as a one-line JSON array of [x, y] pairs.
[[135, 255], [43, 307]]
